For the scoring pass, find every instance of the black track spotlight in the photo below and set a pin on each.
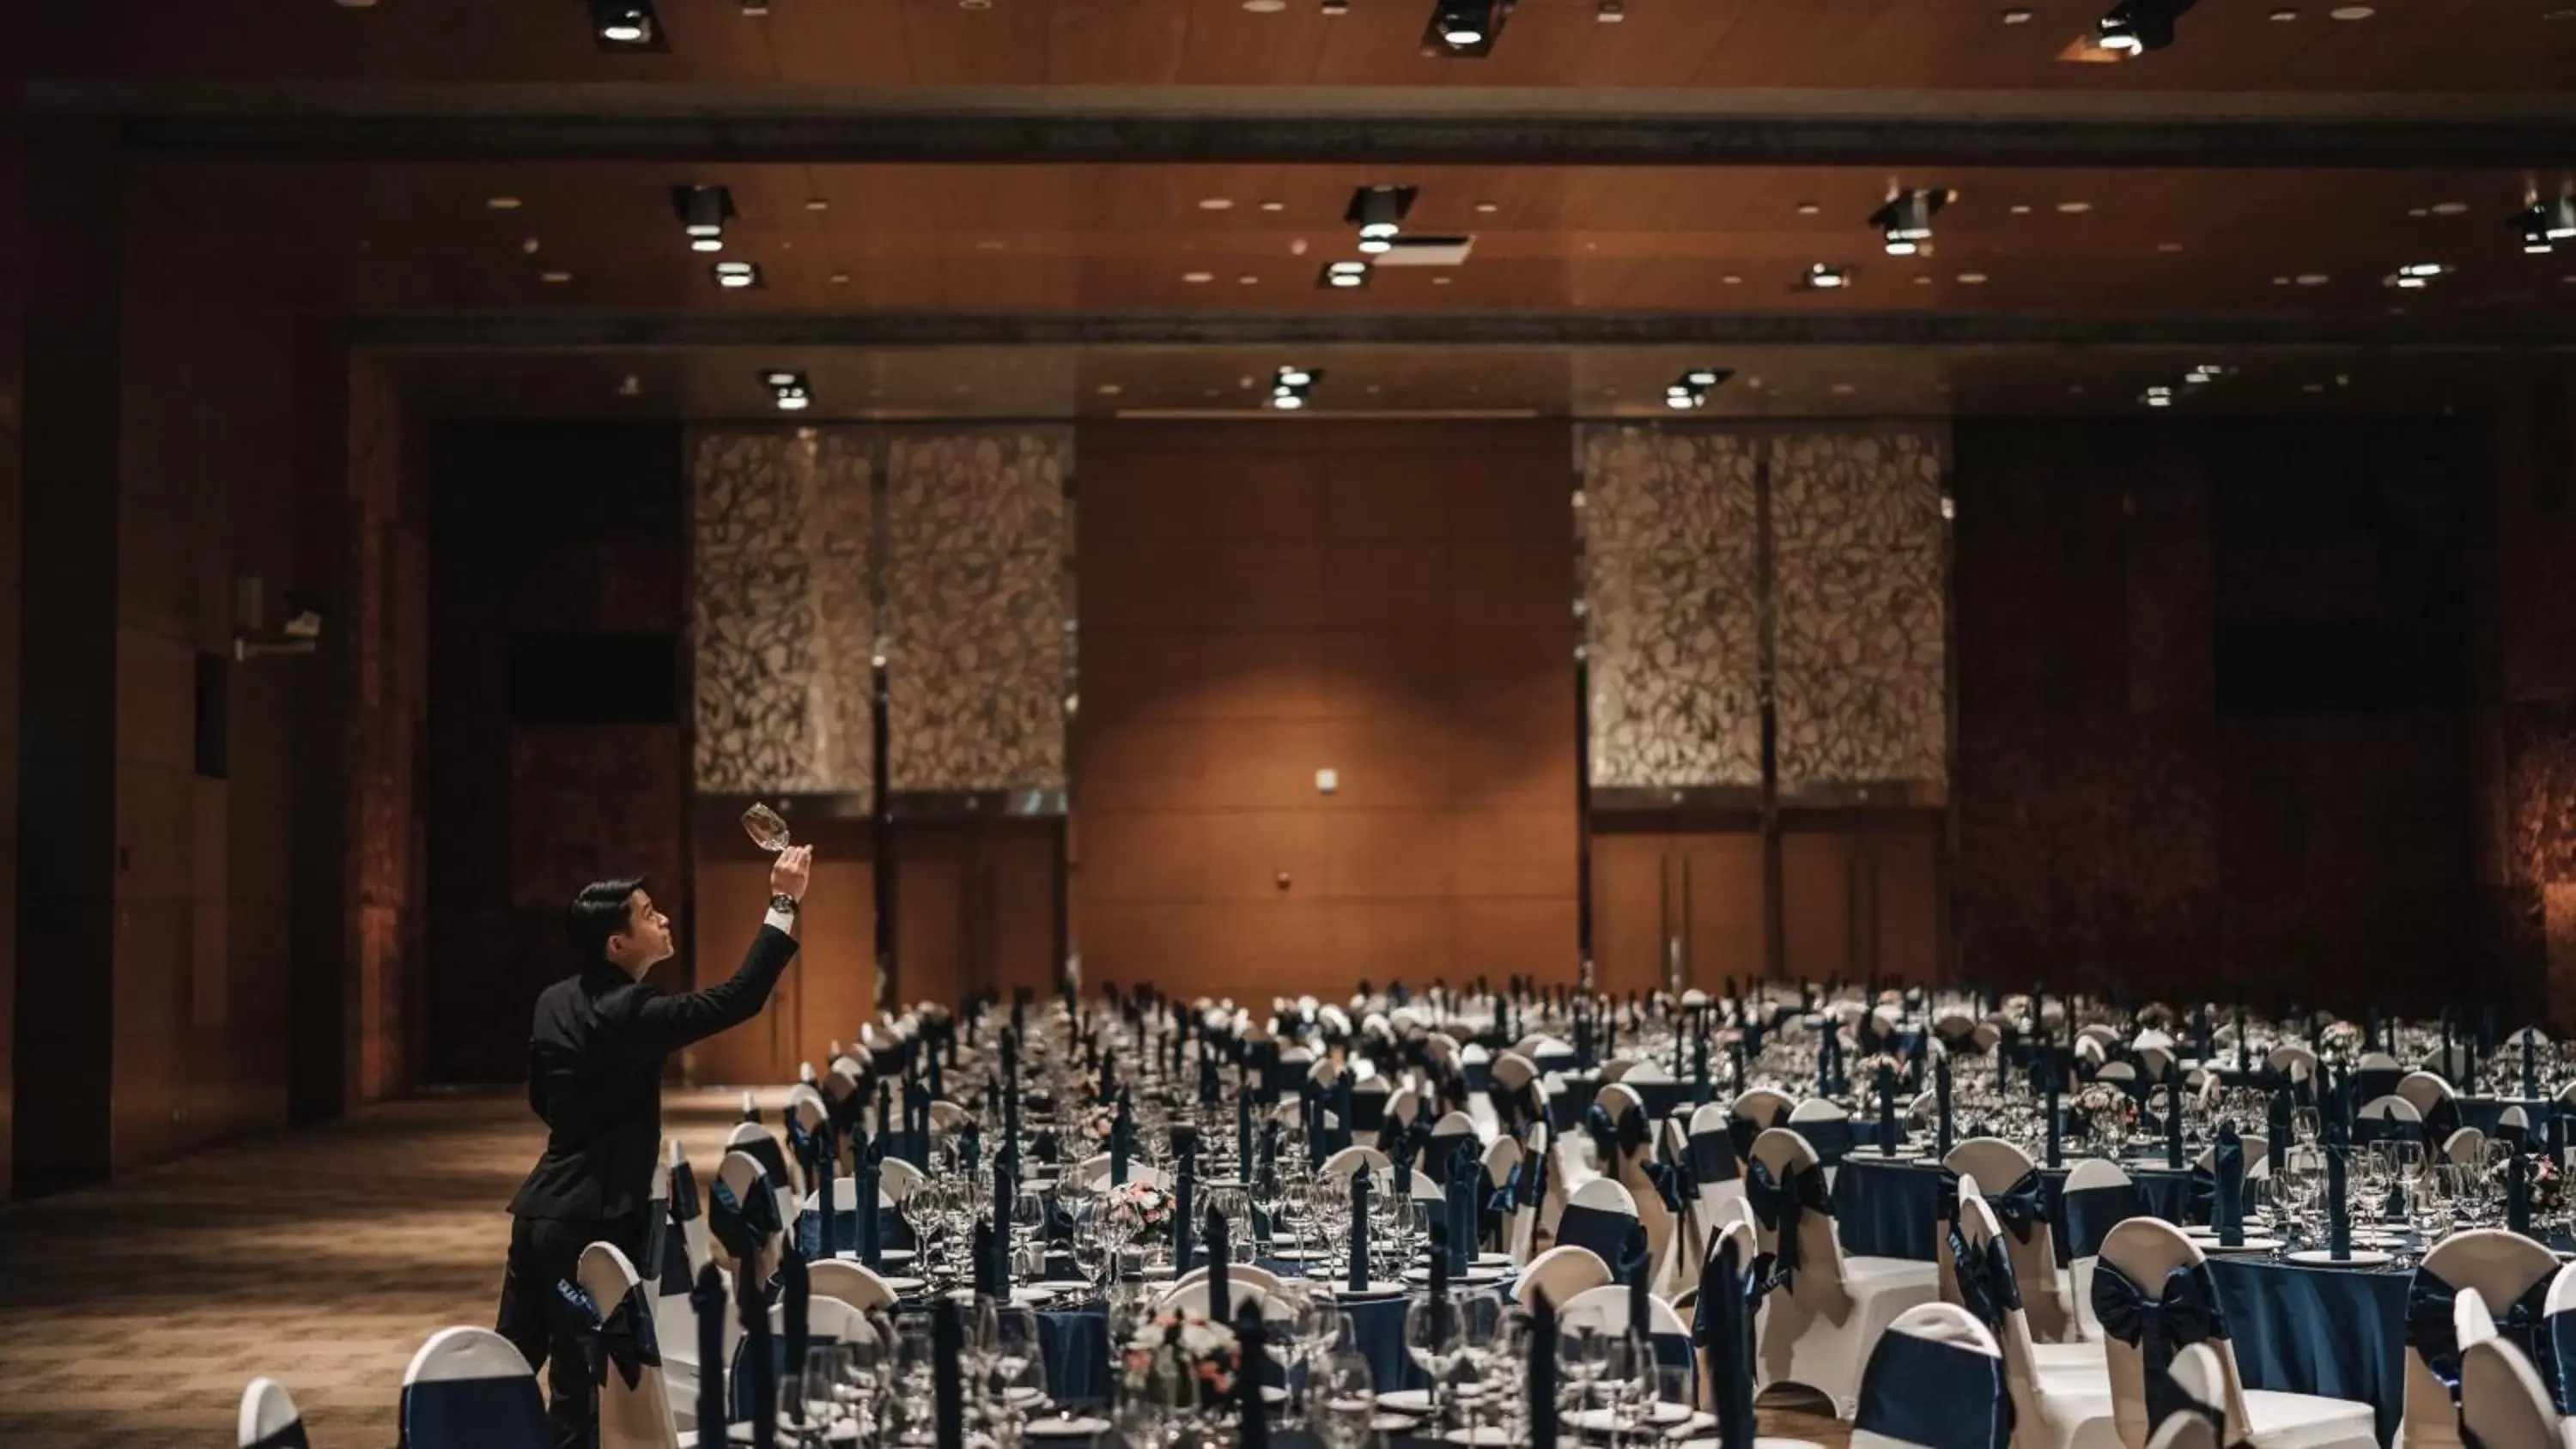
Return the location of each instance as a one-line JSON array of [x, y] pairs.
[[1825, 277], [1289, 386], [1905, 222], [1464, 27], [1689, 392], [2134, 27], [1343, 276], [788, 388], [2546, 223], [703, 212], [737, 276], [625, 25], [1379, 212]]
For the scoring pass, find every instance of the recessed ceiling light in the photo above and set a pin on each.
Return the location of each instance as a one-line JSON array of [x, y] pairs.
[[1274, 206], [502, 203], [2352, 12], [2417, 211], [2280, 281], [974, 4], [2313, 279], [2021, 208], [1195, 278], [1109, 389], [1610, 12], [1488, 208], [528, 246], [2075, 208], [1440, 281], [2312, 387], [840, 279], [1248, 279], [2017, 15], [355, 4], [630, 386], [2449, 208], [2169, 246], [1973, 279], [1732, 280], [1808, 208], [818, 203], [990, 244], [1824, 277], [736, 275], [1842, 387], [554, 276], [1265, 7], [625, 24], [1343, 274], [1216, 203], [1922, 280], [2284, 15]]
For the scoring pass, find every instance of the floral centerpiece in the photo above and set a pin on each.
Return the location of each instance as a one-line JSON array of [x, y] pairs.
[[1138, 1208], [1099, 1125], [2548, 1184], [2343, 1039], [1864, 1075], [1179, 1358], [2101, 1108]]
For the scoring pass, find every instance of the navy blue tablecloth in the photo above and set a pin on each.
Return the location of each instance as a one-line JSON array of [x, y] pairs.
[[1885, 1209], [1076, 1344], [2339, 1332]]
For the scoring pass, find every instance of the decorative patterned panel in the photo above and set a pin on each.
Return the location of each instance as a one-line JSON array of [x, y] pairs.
[[1860, 678], [975, 608], [1669, 533], [781, 620]]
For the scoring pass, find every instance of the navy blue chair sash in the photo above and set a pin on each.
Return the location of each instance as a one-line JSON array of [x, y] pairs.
[[1937, 1394], [742, 1226], [2433, 1335], [1722, 1326], [1713, 1156], [1782, 1205], [287, 1436], [2183, 1312], [496, 1413], [764, 1150], [1831, 1137], [2092, 1212], [1987, 1288], [2557, 1360], [1606, 1233], [2022, 1207], [623, 1336]]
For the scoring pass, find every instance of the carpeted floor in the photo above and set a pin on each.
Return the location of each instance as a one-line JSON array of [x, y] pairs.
[[131, 1315]]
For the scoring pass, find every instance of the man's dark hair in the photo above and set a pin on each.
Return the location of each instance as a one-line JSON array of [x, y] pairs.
[[602, 909]]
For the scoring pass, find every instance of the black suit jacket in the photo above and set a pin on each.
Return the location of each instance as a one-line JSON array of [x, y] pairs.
[[595, 1075]]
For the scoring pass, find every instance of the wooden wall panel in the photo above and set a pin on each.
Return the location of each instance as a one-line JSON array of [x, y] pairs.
[[1263, 601]]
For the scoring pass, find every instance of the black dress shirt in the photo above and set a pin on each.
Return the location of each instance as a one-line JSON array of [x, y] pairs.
[[595, 1075]]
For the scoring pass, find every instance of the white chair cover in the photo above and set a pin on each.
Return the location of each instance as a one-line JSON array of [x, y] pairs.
[[268, 1419], [636, 1415], [1935, 1380], [2503, 1402], [1560, 1273], [468, 1388]]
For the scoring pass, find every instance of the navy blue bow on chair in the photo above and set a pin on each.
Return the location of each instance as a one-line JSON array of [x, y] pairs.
[[1987, 1287], [623, 1337], [2184, 1311], [1781, 1206], [2021, 1207], [742, 1226], [1722, 1327], [1933, 1393], [1672, 1183], [1713, 1157], [2432, 1333]]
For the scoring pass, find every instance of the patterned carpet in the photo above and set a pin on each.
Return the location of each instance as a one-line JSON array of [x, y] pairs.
[[133, 1314]]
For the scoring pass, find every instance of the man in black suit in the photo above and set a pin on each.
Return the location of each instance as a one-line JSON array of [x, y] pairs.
[[595, 1075]]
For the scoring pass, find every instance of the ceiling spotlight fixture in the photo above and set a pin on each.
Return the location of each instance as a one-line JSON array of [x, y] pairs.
[[2545, 223], [737, 275], [1337, 7], [1343, 274], [2414, 276], [1825, 277], [1289, 386], [1689, 392], [1379, 212], [1610, 12], [755, 7], [789, 389], [2134, 27], [1465, 27], [1906, 220], [625, 25], [703, 212]]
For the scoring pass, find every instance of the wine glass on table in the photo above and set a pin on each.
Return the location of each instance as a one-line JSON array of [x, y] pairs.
[[1433, 1339]]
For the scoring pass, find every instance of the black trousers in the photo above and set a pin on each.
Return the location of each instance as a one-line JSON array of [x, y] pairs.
[[535, 1318]]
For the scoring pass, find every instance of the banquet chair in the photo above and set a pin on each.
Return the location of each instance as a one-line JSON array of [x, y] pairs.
[[1719, 1177], [1092, 1172], [2013, 1187], [2203, 1380], [1935, 1380], [1605, 1310], [2503, 1403], [468, 1388], [1989, 1288], [1502, 1157], [843, 1281], [1521, 1235], [2183, 1429], [2447, 1062], [740, 1176], [2124, 1075], [2485, 1272], [2513, 1127], [1601, 1215], [1816, 1328], [1452, 1129], [684, 1250], [947, 1119], [2375, 1075], [1616, 1069], [1559, 1274], [1763, 1108], [1476, 1068], [636, 1415], [1369, 1100], [1826, 1124], [2424, 1091], [2558, 1335], [2150, 1270], [1350, 1160], [2155, 1055], [756, 1141], [1645, 1199], [2387, 1116], [268, 1419], [1197, 1296], [2292, 1063], [2466, 1147], [827, 1321]]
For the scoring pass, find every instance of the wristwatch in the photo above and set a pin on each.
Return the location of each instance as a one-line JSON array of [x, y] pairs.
[[783, 903]]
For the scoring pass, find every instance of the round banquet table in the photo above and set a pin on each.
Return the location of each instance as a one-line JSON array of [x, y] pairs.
[[1888, 1208], [2339, 1332]]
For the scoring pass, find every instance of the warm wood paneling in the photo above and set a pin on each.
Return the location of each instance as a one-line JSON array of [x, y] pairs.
[[1388, 602]]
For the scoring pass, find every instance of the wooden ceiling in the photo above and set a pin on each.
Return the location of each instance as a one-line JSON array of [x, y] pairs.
[[2463, 46], [401, 239]]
